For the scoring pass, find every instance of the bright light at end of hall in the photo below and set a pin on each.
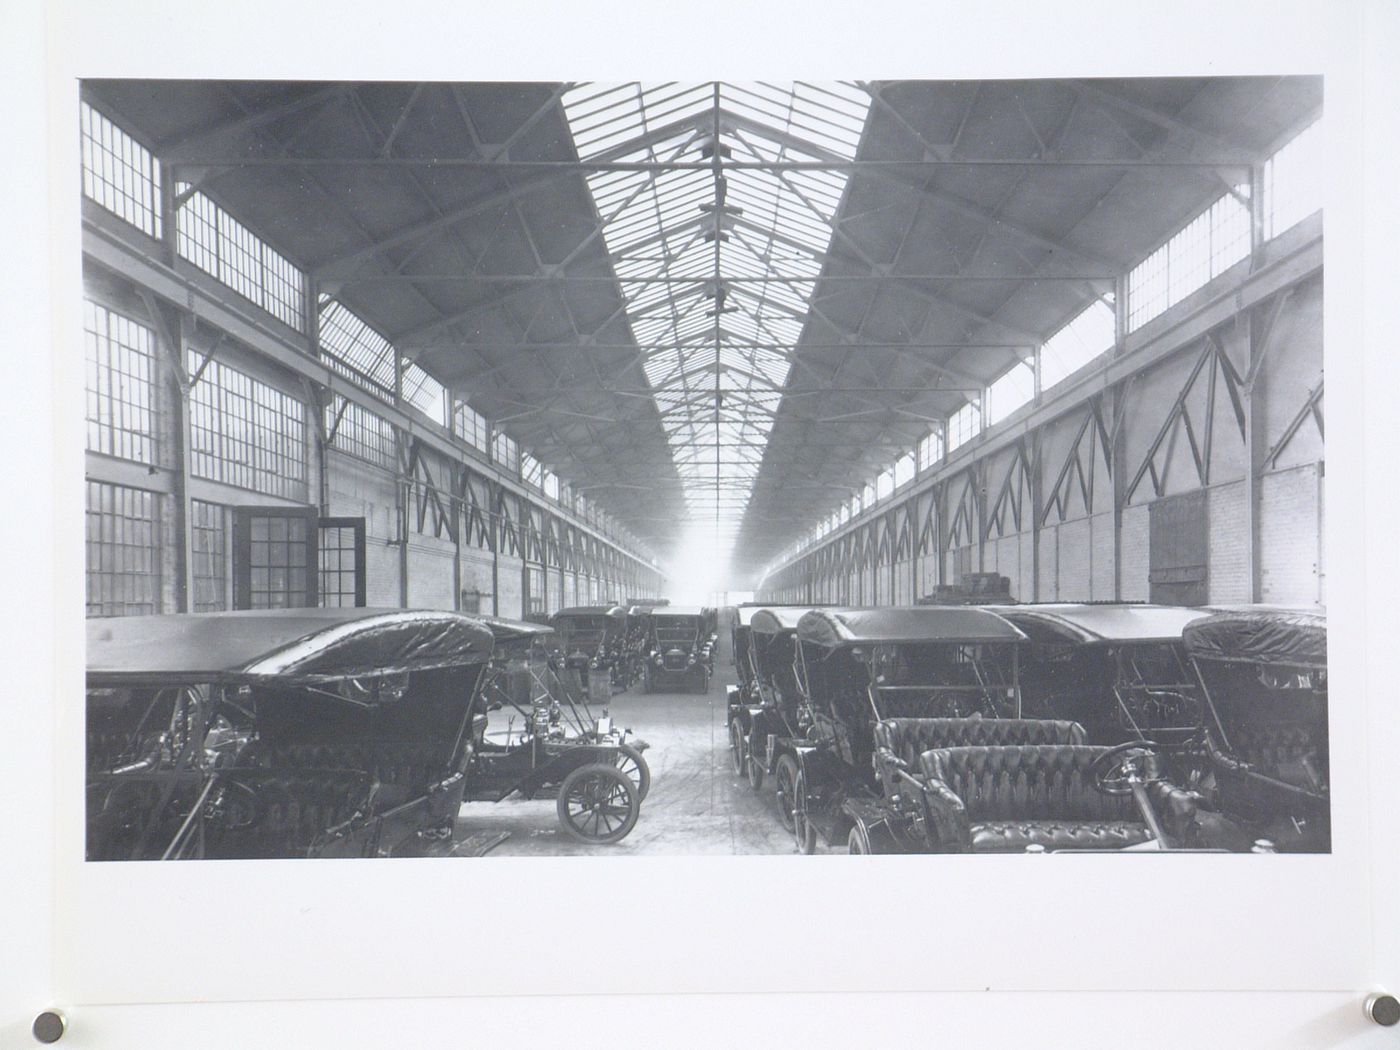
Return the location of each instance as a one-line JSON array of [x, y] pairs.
[[701, 566]]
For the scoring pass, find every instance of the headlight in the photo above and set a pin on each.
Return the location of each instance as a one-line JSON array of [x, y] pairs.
[[657, 660], [593, 663], [691, 658]]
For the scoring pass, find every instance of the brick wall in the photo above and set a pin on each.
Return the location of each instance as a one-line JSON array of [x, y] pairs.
[[1227, 572], [1074, 561], [1290, 531], [1101, 557], [430, 574], [1133, 574], [1049, 565]]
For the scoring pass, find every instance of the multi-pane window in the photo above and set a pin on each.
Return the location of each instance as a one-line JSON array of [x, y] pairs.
[[1293, 181], [357, 431], [884, 484], [535, 590], [1084, 338], [119, 173], [1014, 389], [123, 550], [530, 470], [1205, 248], [549, 484], [277, 557], [471, 426], [903, 469], [337, 553], [930, 450], [506, 452], [363, 354], [246, 433], [423, 392], [224, 248], [963, 425], [120, 385], [566, 495], [867, 495], [209, 547]]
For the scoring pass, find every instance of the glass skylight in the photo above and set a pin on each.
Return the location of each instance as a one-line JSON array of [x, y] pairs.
[[717, 266]]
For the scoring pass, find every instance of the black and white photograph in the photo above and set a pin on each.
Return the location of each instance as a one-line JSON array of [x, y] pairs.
[[508, 502], [761, 467]]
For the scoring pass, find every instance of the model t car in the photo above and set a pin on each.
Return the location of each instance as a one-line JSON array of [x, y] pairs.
[[769, 718], [286, 733], [1263, 676], [1119, 670], [679, 650], [1252, 775], [524, 679], [592, 639], [860, 667]]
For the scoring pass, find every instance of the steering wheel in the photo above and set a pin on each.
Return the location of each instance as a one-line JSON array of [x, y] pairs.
[[1120, 767]]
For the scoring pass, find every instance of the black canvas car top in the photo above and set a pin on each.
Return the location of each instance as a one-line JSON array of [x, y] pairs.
[[919, 623], [1106, 624], [616, 611], [778, 619], [1260, 636], [668, 612], [293, 643], [514, 630]]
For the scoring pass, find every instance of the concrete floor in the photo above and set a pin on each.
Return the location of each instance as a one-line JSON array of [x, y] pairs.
[[696, 805]]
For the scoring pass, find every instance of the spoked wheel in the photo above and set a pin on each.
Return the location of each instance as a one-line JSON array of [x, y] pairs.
[[785, 776], [737, 748], [597, 804], [634, 767], [803, 831], [755, 771], [867, 839]]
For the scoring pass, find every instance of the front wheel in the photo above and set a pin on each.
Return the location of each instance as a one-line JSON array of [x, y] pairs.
[[785, 777], [804, 832], [598, 805], [755, 770], [634, 767], [736, 746]]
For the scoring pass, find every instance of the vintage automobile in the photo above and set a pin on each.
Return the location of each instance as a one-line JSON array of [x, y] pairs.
[[768, 717], [632, 665], [711, 615], [1004, 785], [524, 677], [679, 649], [1263, 676], [597, 779], [858, 667], [592, 638], [281, 733], [1119, 670]]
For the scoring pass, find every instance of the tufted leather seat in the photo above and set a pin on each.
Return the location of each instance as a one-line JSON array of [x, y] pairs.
[[1005, 798], [908, 738]]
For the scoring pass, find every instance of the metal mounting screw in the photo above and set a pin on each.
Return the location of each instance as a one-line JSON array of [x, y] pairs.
[[1383, 1009], [49, 1026]]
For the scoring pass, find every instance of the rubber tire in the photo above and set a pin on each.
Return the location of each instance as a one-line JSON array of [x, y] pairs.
[[879, 839], [738, 750], [607, 772], [858, 841], [785, 772], [803, 833], [643, 784], [754, 768]]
